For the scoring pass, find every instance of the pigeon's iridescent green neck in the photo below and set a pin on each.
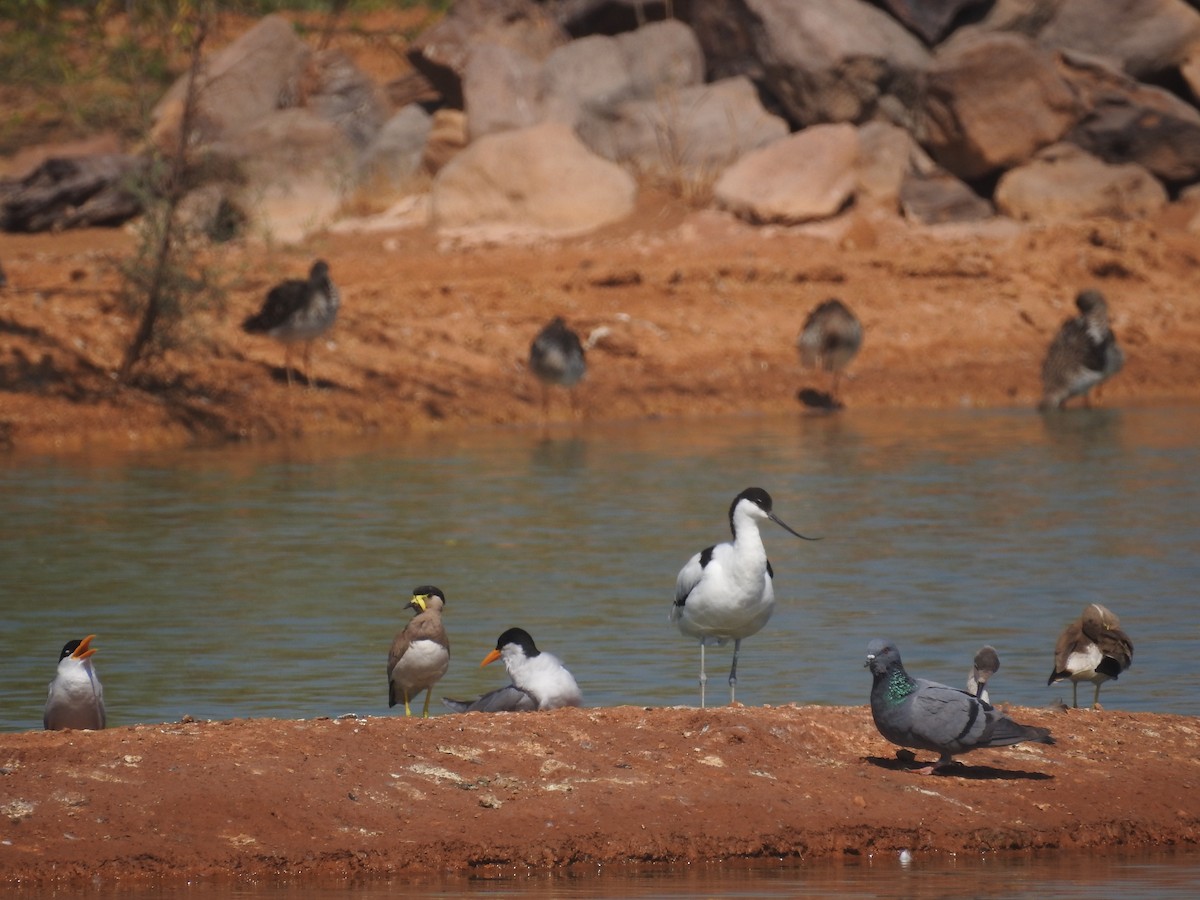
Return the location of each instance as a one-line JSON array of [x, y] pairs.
[[899, 686]]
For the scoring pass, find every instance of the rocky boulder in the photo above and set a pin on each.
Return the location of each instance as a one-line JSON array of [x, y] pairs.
[[1127, 121], [255, 75], [540, 180], [443, 52], [991, 101], [810, 175], [692, 133], [822, 61], [1065, 183]]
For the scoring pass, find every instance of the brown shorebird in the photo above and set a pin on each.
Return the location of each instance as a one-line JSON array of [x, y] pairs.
[[420, 654], [296, 311], [1092, 648], [830, 338], [1083, 354], [556, 357]]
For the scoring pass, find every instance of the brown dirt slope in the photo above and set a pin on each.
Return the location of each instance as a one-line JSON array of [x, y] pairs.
[[701, 314], [479, 793]]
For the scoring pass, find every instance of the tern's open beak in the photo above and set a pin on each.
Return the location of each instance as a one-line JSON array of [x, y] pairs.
[[786, 527], [490, 658], [83, 651]]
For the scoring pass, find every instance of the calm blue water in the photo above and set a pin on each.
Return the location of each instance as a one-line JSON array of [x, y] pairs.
[[269, 581]]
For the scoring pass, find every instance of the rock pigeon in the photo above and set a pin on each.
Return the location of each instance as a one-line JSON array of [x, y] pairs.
[[420, 654], [298, 310], [986, 664], [926, 715], [725, 592], [539, 680], [830, 337], [556, 356], [75, 698], [1083, 354], [1092, 648]]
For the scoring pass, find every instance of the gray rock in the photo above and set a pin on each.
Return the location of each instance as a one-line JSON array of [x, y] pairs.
[[258, 73], [442, 52], [938, 198], [539, 180], [500, 86], [394, 157], [693, 132], [1126, 121], [296, 171], [992, 101], [594, 74], [931, 20], [1142, 37], [828, 61], [344, 96], [809, 175], [889, 154], [1064, 184]]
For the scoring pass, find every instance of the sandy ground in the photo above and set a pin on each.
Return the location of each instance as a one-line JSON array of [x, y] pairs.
[[700, 315], [514, 792]]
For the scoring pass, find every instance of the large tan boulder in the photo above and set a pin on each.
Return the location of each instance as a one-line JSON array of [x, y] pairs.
[[992, 101], [540, 180], [1065, 183], [810, 175]]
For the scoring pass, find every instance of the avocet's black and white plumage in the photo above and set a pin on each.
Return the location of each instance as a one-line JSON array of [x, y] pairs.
[[725, 592], [298, 311], [420, 654], [539, 680], [75, 698], [830, 337], [1083, 354], [556, 356], [983, 667], [925, 715], [1092, 648]]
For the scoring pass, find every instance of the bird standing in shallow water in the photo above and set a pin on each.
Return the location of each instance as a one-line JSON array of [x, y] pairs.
[[725, 592], [985, 665], [298, 310], [925, 715], [539, 680], [1092, 648], [75, 698], [1083, 354], [830, 338], [556, 357], [420, 654]]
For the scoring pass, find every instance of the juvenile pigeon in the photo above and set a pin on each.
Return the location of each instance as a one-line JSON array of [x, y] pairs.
[[986, 664], [1092, 648], [931, 716]]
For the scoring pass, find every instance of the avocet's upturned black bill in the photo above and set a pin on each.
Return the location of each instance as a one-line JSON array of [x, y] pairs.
[[725, 592]]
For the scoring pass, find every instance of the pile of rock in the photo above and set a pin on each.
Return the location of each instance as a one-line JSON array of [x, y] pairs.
[[547, 116]]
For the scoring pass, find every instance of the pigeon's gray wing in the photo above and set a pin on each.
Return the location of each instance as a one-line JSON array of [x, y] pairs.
[[947, 719], [506, 699], [952, 721]]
